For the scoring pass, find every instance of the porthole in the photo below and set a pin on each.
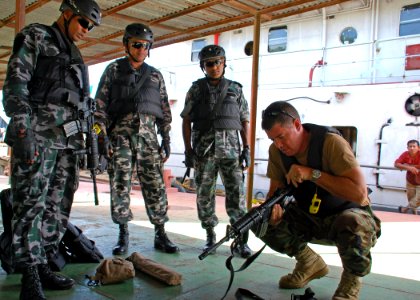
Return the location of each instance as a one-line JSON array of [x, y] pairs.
[[348, 35], [249, 47]]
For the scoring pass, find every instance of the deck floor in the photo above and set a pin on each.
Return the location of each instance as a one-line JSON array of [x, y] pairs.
[[395, 272]]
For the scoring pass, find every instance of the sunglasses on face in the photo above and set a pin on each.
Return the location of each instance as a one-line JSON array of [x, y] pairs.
[[212, 63], [139, 45], [274, 114], [85, 23]]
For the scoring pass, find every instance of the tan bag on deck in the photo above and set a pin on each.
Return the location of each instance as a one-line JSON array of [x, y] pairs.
[[155, 269], [112, 270]]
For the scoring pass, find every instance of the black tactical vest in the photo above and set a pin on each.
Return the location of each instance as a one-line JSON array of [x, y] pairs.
[[227, 117], [305, 191], [124, 101], [57, 77]]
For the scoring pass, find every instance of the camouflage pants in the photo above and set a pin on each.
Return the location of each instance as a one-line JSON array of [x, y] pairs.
[[354, 231], [206, 171], [42, 198], [140, 152]]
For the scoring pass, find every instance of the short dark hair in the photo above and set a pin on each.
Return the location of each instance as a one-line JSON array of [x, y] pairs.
[[278, 112], [413, 142]]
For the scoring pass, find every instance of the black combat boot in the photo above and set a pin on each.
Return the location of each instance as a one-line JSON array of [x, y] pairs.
[[211, 240], [162, 241], [31, 288], [53, 281], [122, 245], [242, 248]]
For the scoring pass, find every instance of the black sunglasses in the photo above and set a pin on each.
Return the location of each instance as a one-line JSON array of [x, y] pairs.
[[266, 114], [85, 23], [212, 63], [139, 45]]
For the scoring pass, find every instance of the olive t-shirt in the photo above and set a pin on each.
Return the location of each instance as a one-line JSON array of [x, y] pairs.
[[337, 158]]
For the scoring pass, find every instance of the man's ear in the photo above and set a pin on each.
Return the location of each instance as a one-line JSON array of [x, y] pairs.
[[297, 124], [67, 14]]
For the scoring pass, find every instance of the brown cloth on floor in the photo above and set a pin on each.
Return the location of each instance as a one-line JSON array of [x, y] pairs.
[[113, 270], [155, 269]]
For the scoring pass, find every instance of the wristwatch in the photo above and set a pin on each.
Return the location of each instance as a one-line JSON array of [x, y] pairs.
[[315, 175]]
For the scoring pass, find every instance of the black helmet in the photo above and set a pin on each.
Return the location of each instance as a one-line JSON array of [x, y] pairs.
[[211, 51], [85, 8], [139, 31]]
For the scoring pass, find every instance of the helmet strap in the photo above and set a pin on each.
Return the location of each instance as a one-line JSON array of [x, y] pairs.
[[210, 78], [127, 50], [67, 25]]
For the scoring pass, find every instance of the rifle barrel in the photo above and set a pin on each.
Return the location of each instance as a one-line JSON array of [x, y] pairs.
[[215, 246], [95, 187]]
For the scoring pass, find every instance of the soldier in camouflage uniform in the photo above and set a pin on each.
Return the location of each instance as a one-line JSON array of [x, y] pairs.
[[215, 141], [331, 203], [44, 172], [131, 102]]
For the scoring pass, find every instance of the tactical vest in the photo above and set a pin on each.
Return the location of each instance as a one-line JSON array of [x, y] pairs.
[[123, 101], [227, 117], [60, 76], [306, 190]]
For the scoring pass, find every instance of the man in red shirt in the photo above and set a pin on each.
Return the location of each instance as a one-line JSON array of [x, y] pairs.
[[410, 161]]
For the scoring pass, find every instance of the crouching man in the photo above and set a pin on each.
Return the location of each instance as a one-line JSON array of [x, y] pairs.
[[331, 203]]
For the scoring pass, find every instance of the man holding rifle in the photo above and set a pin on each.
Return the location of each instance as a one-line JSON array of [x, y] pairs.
[[331, 201], [132, 108], [45, 70], [215, 114]]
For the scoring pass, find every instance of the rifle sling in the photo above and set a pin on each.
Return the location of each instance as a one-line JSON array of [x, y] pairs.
[[217, 106], [245, 265], [134, 93], [141, 81]]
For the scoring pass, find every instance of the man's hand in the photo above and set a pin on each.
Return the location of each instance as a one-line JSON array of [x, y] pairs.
[[165, 146], [245, 158], [189, 158], [276, 215], [24, 147], [103, 145], [298, 174]]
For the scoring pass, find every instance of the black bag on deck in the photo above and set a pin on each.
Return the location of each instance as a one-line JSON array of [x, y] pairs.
[[73, 247], [77, 248], [6, 236]]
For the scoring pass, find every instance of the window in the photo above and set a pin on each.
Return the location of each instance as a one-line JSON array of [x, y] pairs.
[[349, 133], [249, 48], [410, 20], [277, 39], [348, 35], [197, 45]]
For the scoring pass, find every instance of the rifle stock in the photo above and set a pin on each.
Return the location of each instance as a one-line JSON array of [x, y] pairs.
[[255, 217]]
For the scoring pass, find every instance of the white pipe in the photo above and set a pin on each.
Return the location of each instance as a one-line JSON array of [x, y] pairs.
[[374, 37]]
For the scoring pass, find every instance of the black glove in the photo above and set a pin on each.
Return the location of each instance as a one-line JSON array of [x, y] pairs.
[[24, 146], [165, 146], [103, 145], [245, 157], [189, 159]]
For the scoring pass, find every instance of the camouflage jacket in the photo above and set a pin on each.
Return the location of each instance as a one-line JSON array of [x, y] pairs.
[[123, 124], [220, 143], [45, 119]]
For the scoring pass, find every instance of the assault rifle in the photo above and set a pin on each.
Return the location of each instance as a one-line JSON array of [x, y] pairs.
[[84, 124], [256, 218]]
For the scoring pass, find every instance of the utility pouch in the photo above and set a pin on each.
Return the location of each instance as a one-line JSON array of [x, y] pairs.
[[112, 270], [73, 127]]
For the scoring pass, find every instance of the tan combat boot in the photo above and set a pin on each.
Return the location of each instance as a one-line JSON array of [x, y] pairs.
[[309, 266], [348, 288]]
